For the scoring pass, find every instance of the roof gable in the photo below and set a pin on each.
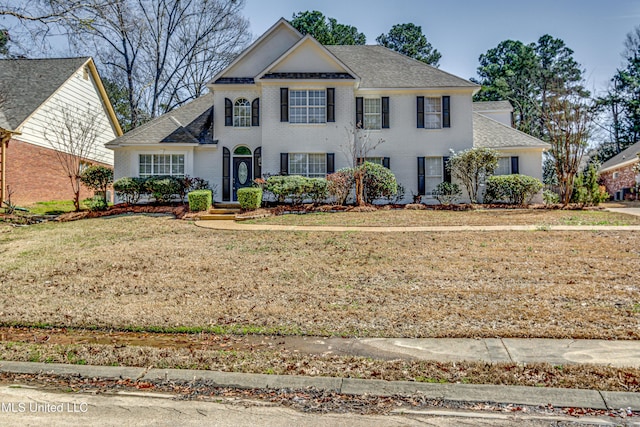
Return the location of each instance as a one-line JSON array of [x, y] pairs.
[[629, 155], [25, 84], [306, 58], [260, 54], [492, 106]]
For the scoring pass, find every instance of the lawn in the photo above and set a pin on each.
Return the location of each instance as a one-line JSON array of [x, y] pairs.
[[481, 217], [156, 273]]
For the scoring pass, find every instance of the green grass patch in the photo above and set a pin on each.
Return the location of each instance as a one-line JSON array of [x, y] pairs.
[[53, 207]]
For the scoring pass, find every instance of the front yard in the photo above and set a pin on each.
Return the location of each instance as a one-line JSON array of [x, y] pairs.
[[157, 273]]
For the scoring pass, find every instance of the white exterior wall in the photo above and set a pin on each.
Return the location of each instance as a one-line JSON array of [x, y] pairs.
[[503, 117], [264, 53], [76, 95]]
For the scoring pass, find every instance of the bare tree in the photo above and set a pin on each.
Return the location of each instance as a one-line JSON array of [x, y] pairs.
[[569, 122], [357, 147], [72, 133]]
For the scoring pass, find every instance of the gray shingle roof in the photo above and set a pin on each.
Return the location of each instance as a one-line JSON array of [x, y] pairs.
[[493, 134], [481, 106], [26, 83], [191, 123], [379, 67], [631, 153]]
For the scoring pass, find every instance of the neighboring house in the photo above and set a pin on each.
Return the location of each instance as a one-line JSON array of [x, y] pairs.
[[618, 174], [34, 96], [287, 105]]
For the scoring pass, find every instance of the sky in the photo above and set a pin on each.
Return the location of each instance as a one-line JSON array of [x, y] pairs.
[[462, 30]]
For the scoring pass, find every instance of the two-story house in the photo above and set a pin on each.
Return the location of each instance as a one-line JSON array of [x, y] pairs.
[[288, 105]]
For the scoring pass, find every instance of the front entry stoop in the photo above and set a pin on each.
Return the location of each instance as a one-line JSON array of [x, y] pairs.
[[225, 212]]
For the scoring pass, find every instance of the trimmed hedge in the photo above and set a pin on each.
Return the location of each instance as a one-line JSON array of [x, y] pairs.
[[297, 188], [515, 189], [163, 188], [379, 182], [129, 189], [250, 198], [447, 193], [200, 200]]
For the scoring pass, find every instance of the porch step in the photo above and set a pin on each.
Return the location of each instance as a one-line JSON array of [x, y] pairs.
[[218, 217], [227, 205], [222, 211]]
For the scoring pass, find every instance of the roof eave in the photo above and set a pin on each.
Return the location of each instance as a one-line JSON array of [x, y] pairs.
[[619, 165]]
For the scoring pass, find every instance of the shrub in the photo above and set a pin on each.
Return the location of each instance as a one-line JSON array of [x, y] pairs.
[[187, 184], [471, 166], [96, 203], [378, 182], [97, 178], [399, 196], [516, 189], [550, 198], [296, 188], [163, 188], [586, 190], [129, 189], [200, 200], [447, 193], [250, 198], [340, 184], [317, 189]]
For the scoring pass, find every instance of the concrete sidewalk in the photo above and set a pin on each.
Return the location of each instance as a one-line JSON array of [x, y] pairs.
[[534, 396], [241, 226]]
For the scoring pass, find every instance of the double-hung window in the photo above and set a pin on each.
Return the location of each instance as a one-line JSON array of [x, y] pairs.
[[433, 174], [307, 106], [161, 164], [372, 113], [242, 113], [312, 165], [432, 113]]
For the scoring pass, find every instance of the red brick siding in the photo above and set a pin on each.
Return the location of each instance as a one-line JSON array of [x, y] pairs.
[[626, 179], [34, 174]]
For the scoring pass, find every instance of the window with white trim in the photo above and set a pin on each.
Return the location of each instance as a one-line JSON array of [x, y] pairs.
[[161, 164], [307, 106], [241, 113], [312, 165], [433, 113], [432, 174], [372, 113], [504, 166]]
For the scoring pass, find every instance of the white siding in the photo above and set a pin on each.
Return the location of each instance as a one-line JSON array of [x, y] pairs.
[[307, 57], [75, 95]]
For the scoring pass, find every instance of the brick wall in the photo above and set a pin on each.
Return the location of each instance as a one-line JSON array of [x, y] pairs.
[[626, 178], [34, 174]]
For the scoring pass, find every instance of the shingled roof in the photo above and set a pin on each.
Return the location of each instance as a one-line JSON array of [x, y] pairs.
[[486, 106], [629, 155], [191, 124], [379, 67], [490, 133], [26, 83]]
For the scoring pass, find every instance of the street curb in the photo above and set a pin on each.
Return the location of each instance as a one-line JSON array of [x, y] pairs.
[[534, 396]]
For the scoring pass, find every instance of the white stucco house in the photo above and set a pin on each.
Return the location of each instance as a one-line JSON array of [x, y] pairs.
[[287, 103]]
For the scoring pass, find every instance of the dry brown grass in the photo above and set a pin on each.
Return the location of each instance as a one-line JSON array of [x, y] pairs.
[[157, 272], [408, 217]]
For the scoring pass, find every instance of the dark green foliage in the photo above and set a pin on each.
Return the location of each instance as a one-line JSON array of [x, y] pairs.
[[96, 203], [340, 185], [471, 166], [408, 40], [97, 178], [318, 189], [399, 196], [447, 193], [550, 198], [200, 200], [129, 189], [515, 189], [187, 184], [378, 182], [326, 30], [250, 198], [4, 40], [163, 188], [586, 190]]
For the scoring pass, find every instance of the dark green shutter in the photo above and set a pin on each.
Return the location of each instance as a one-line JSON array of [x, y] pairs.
[[228, 112], [359, 113], [515, 164], [257, 163], [284, 163], [385, 112], [284, 104], [331, 163], [386, 161], [445, 169], [331, 104], [226, 175], [446, 111], [420, 113], [421, 182], [255, 112]]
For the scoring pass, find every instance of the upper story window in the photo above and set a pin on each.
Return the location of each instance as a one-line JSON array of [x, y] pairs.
[[372, 113], [161, 164], [307, 106], [432, 113], [242, 113]]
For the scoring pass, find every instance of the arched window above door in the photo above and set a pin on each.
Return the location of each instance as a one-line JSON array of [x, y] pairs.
[[242, 151]]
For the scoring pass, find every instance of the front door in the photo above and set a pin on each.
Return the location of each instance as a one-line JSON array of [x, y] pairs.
[[241, 174]]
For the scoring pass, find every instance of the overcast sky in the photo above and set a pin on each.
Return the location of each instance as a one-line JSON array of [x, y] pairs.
[[463, 29]]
